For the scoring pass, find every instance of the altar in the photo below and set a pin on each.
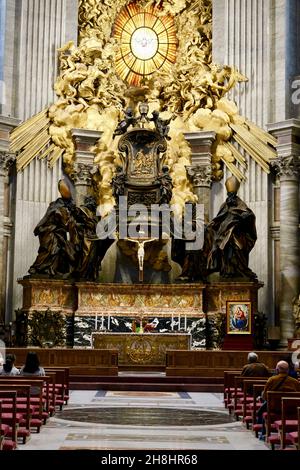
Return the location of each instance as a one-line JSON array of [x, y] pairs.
[[142, 348]]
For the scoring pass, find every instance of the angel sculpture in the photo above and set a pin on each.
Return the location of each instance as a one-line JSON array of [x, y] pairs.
[[166, 186], [161, 125], [123, 125]]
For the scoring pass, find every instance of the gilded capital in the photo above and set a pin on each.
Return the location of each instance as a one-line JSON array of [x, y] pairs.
[[6, 162], [287, 167], [200, 175], [83, 174]]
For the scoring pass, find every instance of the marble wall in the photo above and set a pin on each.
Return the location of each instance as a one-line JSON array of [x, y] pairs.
[[260, 39], [2, 46], [34, 30]]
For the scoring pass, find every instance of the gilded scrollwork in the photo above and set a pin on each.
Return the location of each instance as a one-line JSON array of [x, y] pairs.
[[91, 95]]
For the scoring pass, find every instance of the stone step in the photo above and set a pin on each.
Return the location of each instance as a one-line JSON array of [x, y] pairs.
[[146, 386], [146, 378]]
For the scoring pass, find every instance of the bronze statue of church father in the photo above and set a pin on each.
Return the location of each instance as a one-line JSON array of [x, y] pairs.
[[70, 254]]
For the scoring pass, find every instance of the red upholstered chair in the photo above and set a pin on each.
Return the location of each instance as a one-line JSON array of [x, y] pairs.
[[241, 395], [10, 419], [1, 436], [36, 383], [23, 407], [289, 419], [274, 414], [257, 391], [255, 386], [229, 387], [61, 384], [295, 435]]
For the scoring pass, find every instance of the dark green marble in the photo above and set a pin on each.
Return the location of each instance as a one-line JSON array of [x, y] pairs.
[[146, 416]]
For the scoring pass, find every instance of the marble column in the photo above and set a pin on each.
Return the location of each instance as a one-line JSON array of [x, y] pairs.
[[287, 166], [200, 171], [6, 226], [84, 169], [7, 219]]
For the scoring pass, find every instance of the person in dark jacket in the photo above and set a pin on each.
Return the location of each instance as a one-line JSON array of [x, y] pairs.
[[8, 367], [254, 368]]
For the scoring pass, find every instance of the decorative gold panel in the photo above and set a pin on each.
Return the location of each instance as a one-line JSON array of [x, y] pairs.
[[141, 349], [137, 300], [218, 293], [41, 294]]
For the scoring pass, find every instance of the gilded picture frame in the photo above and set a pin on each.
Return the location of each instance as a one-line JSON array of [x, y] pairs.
[[238, 317]]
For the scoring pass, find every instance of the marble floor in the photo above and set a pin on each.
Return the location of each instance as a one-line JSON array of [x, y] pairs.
[[107, 420]]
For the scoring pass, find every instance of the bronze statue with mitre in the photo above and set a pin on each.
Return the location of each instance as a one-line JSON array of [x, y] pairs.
[[58, 237], [230, 236], [228, 240]]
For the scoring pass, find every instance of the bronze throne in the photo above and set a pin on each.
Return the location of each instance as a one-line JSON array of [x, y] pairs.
[[143, 179]]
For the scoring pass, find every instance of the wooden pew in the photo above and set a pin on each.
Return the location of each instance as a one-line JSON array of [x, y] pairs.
[[10, 419], [289, 419], [23, 408], [248, 384], [62, 384], [257, 392], [229, 384], [274, 412], [1, 435], [239, 393], [299, 429], [36, 385]]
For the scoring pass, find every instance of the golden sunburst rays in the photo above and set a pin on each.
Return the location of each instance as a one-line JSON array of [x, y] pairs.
[[32, 139], [147, 42], [258, 143]]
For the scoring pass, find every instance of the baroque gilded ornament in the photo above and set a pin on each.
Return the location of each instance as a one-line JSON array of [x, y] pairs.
[[148, 50]]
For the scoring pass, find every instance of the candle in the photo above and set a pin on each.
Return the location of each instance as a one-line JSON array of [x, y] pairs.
[[172, 322], [102, 322], [108, 322], [96, 321], [179, 323], [185, 323]]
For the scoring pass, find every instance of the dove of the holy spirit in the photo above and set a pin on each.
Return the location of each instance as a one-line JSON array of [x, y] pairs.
[[144, 43]]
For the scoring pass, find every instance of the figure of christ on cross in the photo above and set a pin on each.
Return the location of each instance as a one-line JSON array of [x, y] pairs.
[[141, 254]]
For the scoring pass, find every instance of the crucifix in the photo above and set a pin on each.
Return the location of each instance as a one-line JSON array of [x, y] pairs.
[[141, 254]]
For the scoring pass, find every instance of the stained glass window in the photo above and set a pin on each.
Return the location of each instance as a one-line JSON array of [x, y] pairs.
[[147, 42]]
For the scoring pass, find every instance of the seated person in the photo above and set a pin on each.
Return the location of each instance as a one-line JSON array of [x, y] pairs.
[[254, 368], [32, 367], [281, 382], [292, 368], [8, 367]]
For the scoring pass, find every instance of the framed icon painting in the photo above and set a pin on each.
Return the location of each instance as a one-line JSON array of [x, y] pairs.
[[238, 317]]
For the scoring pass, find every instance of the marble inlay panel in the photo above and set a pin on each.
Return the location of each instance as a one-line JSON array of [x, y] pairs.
[[143, 394], [139, 438], [146, 416], [85, 325]]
